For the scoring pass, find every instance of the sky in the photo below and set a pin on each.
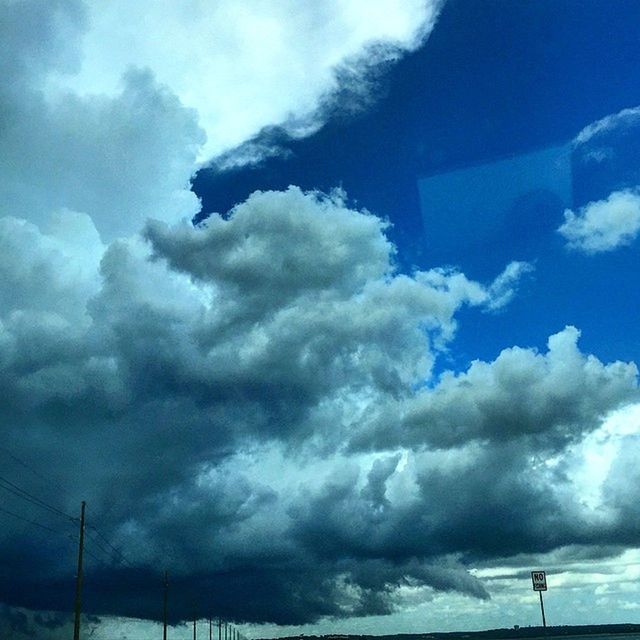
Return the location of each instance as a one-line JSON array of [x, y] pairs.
[[328, 310]]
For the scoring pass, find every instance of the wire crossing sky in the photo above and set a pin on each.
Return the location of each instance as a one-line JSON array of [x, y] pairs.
[[328, 310]]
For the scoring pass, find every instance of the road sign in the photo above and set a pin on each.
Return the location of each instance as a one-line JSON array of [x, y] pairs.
[[539, 579]]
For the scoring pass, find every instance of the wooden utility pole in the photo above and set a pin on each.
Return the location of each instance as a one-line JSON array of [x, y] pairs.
[[165, 601], [76, 622], [194, 628], [219, 628]]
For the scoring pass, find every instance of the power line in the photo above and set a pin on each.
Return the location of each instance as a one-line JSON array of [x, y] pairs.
[[22, 493], [121, 556], [100, 546], [33, 522], [95, 557], [25, 495], [26, 465]]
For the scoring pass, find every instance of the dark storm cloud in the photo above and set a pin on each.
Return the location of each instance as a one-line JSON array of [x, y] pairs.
[[145, 375], [187, 390]]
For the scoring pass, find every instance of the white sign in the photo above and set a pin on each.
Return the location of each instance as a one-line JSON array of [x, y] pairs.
[[539, 579]]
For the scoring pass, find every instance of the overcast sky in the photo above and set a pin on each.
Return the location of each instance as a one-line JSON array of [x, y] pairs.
[[328, 309]]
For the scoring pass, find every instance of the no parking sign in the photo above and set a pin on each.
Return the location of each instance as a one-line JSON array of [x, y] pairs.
[[539, 579]]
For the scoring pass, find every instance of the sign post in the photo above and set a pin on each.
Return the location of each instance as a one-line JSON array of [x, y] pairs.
[[539, 580]]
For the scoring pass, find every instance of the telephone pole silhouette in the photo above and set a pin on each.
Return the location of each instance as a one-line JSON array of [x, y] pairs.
[[165, 598], [76, 621]]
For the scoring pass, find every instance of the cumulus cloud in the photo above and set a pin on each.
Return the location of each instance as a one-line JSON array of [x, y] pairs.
[[243, 67], [603, 225], [102, 119], [557, 396], [119, 160], [606, 159], [237, 367], [284, 321]]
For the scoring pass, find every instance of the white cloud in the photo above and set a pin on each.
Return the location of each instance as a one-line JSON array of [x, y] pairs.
[[245, 65], [621, 120], [505, 286], [107, 108], [119, 159], [603, 225], [590, 461]]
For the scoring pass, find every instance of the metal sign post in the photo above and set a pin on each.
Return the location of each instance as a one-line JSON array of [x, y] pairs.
[[539, 580]]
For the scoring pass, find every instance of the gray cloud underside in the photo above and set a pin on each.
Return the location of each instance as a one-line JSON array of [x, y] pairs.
[[198, 388]]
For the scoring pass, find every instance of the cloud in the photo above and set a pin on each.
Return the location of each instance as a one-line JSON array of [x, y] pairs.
[[119, 160], [553, 398], [244, 67], [616, 121], [605, 161], [558, 395], [189, 349], [102, 119], [504, 287], [223, 393], [250, 403], [603, 225]]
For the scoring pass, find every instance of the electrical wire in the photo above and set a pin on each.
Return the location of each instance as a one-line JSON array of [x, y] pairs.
[[26, 466], [33, 522], [25, 495], [109, 554], [114, 554], [121, 556]]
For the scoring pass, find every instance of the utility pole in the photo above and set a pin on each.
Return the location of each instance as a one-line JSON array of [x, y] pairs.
[[76, 622], [194, 628], [165, 599], [544, 620], [219, 628], [210, 638]]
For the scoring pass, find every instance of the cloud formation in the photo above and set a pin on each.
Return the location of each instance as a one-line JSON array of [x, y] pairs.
[[552, 398], [283, 323], [102, 119], [118, 159], [250, 404], [244, 67], [223, 393], [624, 119], [603, 225], [606, 159]]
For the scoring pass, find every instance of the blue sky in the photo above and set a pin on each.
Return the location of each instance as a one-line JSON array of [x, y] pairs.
[[495, 83], [329, 310]]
